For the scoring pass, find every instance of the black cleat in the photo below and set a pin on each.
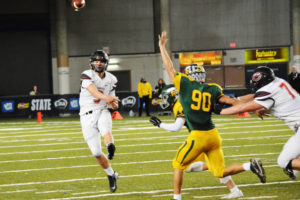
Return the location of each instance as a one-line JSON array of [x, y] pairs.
[[290, 173], [288, 170], [257, 168], [113, 182], [111, 148]]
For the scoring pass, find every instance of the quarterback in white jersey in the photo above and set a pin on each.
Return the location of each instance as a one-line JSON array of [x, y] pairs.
[[282, 101], [96, 94]]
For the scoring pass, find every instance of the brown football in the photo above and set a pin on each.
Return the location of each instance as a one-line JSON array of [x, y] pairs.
[[78, 4]]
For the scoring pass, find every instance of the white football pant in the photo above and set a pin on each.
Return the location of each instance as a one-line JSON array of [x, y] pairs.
[[93, 126], [291, 150]]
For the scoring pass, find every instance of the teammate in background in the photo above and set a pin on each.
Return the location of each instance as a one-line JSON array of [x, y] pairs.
[[281, 100], [96, 95], [170, 99], [197, 101], [144, 90]]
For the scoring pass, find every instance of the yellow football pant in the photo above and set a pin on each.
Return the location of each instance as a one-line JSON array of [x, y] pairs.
[[198, 145]]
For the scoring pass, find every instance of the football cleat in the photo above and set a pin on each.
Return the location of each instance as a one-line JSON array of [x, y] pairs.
[[111, 148], [257, 168], [113, 181], [290, 173], [233, 195]]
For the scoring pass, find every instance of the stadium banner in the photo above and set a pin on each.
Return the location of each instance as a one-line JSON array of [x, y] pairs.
[[56, 105], [266, 55], [206, 58]]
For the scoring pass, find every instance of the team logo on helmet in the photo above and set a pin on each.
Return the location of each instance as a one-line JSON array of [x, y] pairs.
[[256, 76], [196, 72]]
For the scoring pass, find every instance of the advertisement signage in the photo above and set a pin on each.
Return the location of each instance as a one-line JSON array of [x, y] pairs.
[[202, 58], [266, 55], [8, 106]]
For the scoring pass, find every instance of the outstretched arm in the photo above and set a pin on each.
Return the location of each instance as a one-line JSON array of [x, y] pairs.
[[94, 91], [174, 127], [241, 107], [166, 60]]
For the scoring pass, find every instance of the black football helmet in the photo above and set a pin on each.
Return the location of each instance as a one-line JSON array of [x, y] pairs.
[[169, 96], [262, 76], [196, 72], [99, 55]]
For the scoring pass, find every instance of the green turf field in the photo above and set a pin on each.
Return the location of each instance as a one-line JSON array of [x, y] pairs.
[[52, 161]]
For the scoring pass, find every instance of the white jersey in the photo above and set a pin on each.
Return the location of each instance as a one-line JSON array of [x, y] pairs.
[[282, 101], [106, 85]]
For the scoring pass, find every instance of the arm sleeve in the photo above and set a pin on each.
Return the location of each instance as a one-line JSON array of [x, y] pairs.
[[177, 80], [114, 84], [86, 80], [174, 127], [264, 98]]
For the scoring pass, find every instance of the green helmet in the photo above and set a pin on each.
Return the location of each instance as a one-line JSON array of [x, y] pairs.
[[169, 96]]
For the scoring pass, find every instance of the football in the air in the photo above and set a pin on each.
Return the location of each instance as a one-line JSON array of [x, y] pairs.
[[78, 4]]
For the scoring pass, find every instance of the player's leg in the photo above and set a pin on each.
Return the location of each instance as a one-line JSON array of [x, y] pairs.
[[254, 165], [216, 164], [93, 139], [197, 165], [186, 154], [177, 183], [105, 128], [296, 164], [289, 157]]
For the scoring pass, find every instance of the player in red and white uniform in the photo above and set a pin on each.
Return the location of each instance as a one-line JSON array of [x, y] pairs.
[[96, 95], [282, 101]]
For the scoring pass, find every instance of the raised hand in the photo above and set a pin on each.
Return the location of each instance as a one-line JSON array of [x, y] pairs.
[[162, 39]]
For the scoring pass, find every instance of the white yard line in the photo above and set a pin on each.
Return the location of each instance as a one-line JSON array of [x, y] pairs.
[[142, 152], [213, 196], [81, 179], [131, 145], [170, 190], [18, 191], [125, 129], [52, 191], [143, 138]]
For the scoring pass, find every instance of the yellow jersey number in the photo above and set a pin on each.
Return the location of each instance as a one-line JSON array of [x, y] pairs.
[[197, 96]]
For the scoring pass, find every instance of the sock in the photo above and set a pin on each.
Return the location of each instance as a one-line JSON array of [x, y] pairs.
[[108, 144], [195, 167], [246, 166], [177, 196], [109, 171], [235, 188]]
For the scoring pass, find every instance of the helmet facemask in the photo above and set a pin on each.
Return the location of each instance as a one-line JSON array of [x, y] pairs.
[[169, 96], [196, 72], [99, 55]]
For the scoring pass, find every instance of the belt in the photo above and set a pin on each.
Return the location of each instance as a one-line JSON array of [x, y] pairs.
[[89, 112]]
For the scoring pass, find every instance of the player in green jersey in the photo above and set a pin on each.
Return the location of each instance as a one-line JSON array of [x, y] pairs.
[[170, 99], [197, 101]]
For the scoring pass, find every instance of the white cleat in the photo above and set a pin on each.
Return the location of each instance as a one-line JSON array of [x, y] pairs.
[[233, 195]]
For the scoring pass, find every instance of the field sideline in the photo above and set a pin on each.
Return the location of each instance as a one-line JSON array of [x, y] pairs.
[[52, 161]]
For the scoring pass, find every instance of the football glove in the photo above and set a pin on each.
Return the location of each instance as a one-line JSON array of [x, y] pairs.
[[155, 121], [218, 107]]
